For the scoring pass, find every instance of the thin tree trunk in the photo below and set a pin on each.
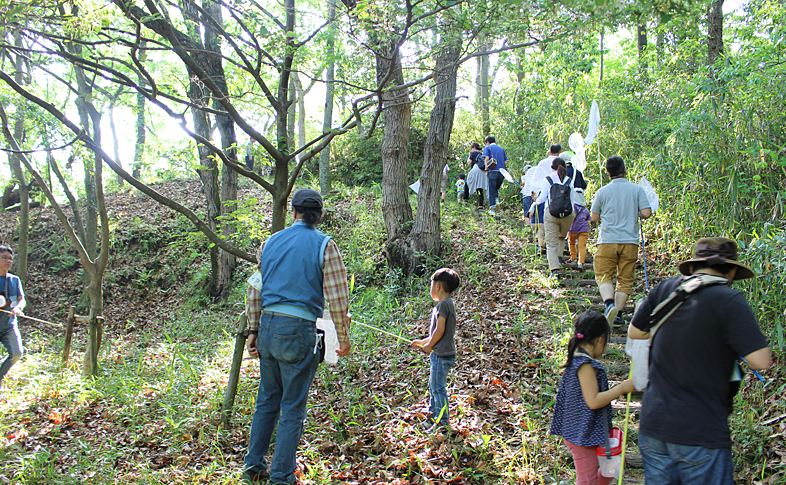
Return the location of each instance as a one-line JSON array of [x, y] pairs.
[[301, 112], [85, 93], [396, 211], [520, 75], [292, 111], [484, 87], [115, 141], [410, 252], [327, 121], [16, 167], [600, 77], [139, 126]]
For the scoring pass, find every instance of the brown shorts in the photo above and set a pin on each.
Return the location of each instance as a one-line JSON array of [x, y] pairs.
[[616, 259]]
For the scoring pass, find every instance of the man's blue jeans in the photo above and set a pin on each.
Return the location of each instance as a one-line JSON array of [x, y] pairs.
[[12, 341], [287, 365], [495, 182], [670, 464], [437, 387]]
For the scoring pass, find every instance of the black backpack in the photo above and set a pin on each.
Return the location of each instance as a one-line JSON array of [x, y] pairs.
[[560, 205]]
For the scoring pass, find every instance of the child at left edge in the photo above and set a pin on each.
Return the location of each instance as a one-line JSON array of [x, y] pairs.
[[461, 184], [583, 395], [440, 345]]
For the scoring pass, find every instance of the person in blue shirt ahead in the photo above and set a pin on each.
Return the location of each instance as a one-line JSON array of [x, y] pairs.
[[496, 152], [12, 302]]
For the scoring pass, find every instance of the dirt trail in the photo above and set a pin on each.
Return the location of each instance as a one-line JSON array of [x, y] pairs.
[[502, 385]]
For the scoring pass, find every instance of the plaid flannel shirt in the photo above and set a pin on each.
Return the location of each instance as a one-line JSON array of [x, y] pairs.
[[334, 289]]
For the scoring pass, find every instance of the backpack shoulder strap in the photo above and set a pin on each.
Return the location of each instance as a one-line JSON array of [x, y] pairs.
[[687, 287], [548, 178]]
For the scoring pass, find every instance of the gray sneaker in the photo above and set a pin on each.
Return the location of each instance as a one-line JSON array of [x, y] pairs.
[[619, 322], [611, 313]]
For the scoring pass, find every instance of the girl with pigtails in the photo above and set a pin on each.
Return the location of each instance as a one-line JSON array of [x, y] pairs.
[[584, 398]]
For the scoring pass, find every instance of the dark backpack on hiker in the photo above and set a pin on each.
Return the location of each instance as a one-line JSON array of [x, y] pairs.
[[560, 205]]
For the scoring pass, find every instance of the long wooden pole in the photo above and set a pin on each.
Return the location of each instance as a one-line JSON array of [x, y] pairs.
[[234, 372]]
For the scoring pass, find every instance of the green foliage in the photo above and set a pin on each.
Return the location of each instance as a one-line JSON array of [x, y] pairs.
[[358, 161]]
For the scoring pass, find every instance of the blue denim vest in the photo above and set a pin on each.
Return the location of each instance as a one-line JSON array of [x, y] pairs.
[[291, 269]]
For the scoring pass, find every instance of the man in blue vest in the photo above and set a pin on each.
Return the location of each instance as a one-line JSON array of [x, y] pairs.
[[300, 268], [497, 153]]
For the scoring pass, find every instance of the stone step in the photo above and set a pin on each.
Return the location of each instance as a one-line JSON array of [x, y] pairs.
[[633, 461], [593, 291], [566, 266], [596, 307], [578, 282]]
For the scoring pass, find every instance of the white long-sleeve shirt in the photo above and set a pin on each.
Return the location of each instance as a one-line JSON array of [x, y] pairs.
[[545, 189]]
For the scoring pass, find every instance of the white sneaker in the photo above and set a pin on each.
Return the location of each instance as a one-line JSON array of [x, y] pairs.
[[611, 313]]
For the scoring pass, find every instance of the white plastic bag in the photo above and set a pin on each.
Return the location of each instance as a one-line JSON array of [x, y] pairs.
[[576, 143], [652, 196], [639, 351], [594, 121], [331, 337]]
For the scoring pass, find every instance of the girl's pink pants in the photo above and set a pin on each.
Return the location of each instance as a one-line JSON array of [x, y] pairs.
[[587, 469]]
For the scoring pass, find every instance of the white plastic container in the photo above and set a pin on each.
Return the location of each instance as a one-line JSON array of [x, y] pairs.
[[610, 467], [331, 337]]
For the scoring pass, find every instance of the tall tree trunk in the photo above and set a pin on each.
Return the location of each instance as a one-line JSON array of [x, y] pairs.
[[410, 252], [714, 31], [396, 211], [16, 167], [226, 129], [208, 173], [84, 97], [483, 92], [520, 75], [600, 75], [327, 121], [292, 111], [139, 126], [221, 263], [301, 112], [115, 141], [641, 38], [281, 170]]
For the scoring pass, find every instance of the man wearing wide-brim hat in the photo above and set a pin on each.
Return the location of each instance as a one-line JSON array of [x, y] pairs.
[[684, 435]]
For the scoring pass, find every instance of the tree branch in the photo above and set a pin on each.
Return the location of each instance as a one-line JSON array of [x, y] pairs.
[[89, 143]]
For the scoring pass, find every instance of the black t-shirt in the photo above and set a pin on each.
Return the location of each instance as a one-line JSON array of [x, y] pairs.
[[475, 157], [578, 178], [691, 360]]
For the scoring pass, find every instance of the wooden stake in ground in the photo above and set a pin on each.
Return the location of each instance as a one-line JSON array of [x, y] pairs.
[[234, 372]]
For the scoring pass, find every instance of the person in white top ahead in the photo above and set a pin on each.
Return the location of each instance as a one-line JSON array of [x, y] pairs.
[[556, 228]]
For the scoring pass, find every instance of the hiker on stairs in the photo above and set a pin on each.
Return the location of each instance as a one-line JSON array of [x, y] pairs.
[[557, 225], [617, 206]]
